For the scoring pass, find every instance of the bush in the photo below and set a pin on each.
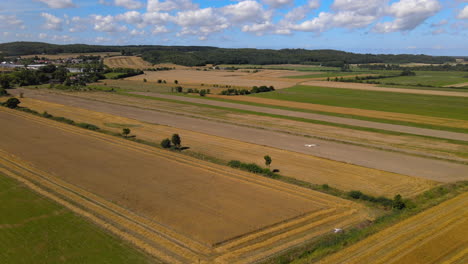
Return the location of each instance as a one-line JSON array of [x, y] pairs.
[[46, 115], [355, 194], [166, 143], [88, 126], [12, 103], [3, 92], [176, 140], [63, 120]]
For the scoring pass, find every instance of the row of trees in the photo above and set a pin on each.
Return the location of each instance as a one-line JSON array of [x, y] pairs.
[[255, 89]]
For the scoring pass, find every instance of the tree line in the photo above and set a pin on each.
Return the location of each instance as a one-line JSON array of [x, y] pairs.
[[201, 55]]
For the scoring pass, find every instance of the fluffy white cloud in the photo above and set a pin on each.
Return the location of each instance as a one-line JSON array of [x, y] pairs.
[[278, 3], [129, 4], [130, 17], [106, 24], [169, 5], [258, 29], [325, 21], [42, 35], [408, 15], [200, 22], [159, 30], [78, 24], [52, 22], [360, 7], [9, 21], [58, 3], [62, 38], [463, 13], [135, 32], [246, 11]]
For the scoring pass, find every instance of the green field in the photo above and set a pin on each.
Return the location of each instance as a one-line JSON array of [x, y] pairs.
[[429, 78], [34, 229], [426, 105]]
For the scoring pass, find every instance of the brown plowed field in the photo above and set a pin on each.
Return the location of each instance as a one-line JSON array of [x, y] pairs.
[[132, 62], [373, 87], [351, 111], [313, 169], [236, 79], [438, 235], [190, 209]]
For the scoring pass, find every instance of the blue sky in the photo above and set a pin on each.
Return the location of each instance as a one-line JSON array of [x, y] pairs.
[[437, 27]]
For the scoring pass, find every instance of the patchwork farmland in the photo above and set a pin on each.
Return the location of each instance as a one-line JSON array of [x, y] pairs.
[[359, 163]]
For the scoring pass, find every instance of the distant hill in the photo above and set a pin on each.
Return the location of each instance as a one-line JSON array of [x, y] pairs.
[[202, 55]]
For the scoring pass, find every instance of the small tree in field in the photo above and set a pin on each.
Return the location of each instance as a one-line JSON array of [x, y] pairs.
[[12, 103], [166, 143], [267, 160], [176, 140], [126, 132], [176, 82], [202, 92], [398, 202]]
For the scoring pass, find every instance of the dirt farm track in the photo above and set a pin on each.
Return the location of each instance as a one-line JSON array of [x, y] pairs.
[[159, 198]]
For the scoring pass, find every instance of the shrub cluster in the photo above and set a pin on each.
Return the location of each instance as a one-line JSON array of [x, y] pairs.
[[252, 167], [255, 89], [396, 203]]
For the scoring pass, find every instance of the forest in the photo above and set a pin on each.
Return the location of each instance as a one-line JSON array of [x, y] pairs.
[[202, 55]]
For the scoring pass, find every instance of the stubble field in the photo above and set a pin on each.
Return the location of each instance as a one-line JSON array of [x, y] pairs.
[[293, 164], [183, 199], [438, 235], [132, 62]]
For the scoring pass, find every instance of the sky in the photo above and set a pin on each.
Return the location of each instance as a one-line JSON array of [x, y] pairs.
[[365, 26]]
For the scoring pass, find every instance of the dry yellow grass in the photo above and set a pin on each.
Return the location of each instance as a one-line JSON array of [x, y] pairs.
[[438, 235], [297, 165], [235, 79], [132, 62], [175, 207], [352, 111]]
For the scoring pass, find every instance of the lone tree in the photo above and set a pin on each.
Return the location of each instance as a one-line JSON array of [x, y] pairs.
[[176, 82], [267, 160], [176, 140], [125, 132], [12, 103], [166, 143], [398, 202]]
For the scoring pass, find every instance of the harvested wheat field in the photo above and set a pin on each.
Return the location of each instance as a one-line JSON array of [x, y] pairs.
[[235, 79], [438, 235], [374, 87], [305, 167], [351, 111], [132, 62], [176, 208]]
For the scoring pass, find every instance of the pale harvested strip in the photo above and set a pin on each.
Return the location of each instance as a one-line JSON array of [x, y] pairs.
[[351, 111], [438, 235], [133, 62]]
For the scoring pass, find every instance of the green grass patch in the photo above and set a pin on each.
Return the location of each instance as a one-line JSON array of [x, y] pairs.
[[429, 78], [37, 230], [445, 89], [418, 104]]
